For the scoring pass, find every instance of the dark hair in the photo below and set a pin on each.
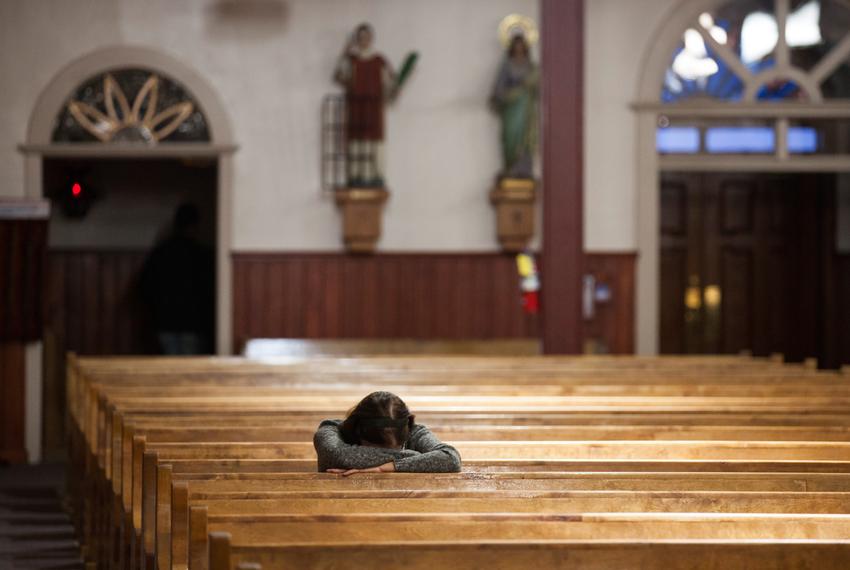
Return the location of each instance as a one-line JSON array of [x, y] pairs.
[[186, 216], [381, 419], [364, 27]]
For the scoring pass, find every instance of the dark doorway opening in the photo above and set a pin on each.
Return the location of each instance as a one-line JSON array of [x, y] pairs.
[[749, 261], [107, 216]]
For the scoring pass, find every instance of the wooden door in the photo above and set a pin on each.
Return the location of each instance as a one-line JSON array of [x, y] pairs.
[[741, 263]]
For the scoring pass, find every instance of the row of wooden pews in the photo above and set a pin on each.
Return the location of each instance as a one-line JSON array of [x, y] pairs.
[[590, 462]]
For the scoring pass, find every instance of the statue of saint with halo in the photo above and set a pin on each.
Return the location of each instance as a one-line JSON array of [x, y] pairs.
[[515, 95], [514, 98]]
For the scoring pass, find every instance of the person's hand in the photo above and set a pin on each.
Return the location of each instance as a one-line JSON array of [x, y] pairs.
[[385, 468]]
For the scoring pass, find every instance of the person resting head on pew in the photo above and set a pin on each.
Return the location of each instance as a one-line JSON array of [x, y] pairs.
[[380, 435]]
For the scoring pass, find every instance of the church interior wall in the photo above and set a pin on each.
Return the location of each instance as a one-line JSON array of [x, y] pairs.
[[271, 63], [442, 149], [617, 34]]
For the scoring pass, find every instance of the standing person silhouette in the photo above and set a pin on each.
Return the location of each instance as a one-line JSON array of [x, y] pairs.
[[177, 283]]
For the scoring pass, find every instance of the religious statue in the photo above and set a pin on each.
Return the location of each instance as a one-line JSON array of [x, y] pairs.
[[370, 82], [515, 100]]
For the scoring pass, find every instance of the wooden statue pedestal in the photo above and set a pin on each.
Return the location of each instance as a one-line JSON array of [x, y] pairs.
[[514, 202], [361, 217]]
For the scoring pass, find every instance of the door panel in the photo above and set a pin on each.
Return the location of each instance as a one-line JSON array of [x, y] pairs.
[[736, 287], [674, 276], [739, 262]]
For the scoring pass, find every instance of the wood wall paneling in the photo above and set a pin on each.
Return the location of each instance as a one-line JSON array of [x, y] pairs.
[[12, 402], [414, 296], [92, 307], [22, 248], [22, 260], [409, 296], [613, 324]]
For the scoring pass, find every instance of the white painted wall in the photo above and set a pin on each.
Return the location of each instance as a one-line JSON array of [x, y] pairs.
[[36, 40], [618, 34], [33, 400]]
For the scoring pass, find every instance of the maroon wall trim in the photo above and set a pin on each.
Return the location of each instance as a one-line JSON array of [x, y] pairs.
[[93, 304], [22, 260], [411, 295], [12, 402], [613, 324], [562, 84]]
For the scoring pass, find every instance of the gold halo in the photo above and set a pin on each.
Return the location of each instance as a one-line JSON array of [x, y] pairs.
[[514, 24]]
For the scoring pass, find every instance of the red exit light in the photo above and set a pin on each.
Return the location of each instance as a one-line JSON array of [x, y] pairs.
[[76, 189]]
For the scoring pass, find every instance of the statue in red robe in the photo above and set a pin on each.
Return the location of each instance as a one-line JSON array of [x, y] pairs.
[[369, 82]]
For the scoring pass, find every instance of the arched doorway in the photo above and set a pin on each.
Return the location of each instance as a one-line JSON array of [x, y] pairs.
[[788, 88], [134, 117]]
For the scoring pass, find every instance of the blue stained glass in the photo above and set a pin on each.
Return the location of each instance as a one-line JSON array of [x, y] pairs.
[[802, 140], [677, 140], [723, 84], [730, 140], [726, 140]]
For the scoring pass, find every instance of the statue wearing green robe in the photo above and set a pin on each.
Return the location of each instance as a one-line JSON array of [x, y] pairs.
[[515, 100]]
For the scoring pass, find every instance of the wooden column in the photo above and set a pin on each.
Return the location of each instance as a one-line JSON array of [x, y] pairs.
[[562, 118]]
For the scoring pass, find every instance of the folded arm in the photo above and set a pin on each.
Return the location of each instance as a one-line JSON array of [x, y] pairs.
[[334, 453], [433, 455]]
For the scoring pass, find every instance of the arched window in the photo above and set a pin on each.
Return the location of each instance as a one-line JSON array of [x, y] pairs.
[[130, 105], [794, 54]]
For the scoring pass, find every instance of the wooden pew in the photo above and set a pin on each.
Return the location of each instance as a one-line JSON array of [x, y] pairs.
[[110, 401], [160, 431], [277, 554], [185, 489], [527, 501], [134, 499], [835, 452], [818, 456], [322, 531], [217, 509], [113, 451]]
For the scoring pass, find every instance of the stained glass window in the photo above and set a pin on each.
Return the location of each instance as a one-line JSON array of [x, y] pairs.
[[131, 105], [732, 51], [740, 53]]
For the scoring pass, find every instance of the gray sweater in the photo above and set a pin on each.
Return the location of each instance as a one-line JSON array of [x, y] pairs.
[[422, 453]]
